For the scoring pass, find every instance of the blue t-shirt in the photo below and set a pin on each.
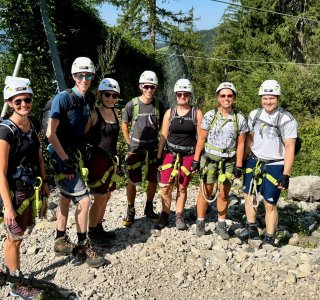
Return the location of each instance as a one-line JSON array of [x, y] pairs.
[[73, 112]]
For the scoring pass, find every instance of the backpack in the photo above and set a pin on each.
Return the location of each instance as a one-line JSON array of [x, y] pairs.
[[216, 118], [45, 115], [194, 113], [281, 113]]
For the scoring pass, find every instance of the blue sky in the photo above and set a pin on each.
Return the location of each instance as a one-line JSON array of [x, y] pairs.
[[208, 11]]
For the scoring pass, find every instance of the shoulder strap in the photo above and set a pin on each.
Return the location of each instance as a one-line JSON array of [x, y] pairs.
[[235, 122], [256, 117], [135, 114], [173, 112], [214, 120], [16, 133], [194, 114]]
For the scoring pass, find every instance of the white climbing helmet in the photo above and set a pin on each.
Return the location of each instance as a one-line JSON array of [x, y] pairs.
[[226, 85], [83, 64], [148, 77], [270, 87], [109, 84], [15, 86], [183, 85]]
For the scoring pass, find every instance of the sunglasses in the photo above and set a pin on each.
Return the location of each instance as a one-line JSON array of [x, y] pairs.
[[18, 102], [228, 96], [107, 95], [179, 95], [81, 76], [149, 87]]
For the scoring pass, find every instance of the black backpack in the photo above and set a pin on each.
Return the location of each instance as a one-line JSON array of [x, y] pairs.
[[281, 113]]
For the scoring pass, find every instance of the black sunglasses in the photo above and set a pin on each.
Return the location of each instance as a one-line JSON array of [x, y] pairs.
[[147, 87], [81, 76], [107, 95], [19, 101]]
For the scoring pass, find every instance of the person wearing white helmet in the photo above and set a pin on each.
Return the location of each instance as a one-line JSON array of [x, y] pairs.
[[180, 128], [69, 114], [144, 115], [222, 136], [21, 162], [271, 146], [103, 131]]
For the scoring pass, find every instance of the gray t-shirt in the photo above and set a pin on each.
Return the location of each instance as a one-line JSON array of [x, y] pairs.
[[223, 134], [145, 130]]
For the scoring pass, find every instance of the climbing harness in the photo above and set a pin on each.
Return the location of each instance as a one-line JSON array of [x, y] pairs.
[[144, 169], [222, 177], [259, 172], [114, 177]]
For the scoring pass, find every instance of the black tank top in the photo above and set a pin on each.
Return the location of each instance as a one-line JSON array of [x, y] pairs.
[[104, 135], [182, 131]]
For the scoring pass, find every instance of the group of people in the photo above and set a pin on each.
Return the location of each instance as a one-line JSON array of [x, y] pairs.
[[221, 146]]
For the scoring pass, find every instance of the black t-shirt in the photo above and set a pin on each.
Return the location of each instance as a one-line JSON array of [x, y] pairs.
[[26, 150]]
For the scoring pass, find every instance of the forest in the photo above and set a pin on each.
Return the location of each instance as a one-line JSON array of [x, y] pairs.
[[256, 40]]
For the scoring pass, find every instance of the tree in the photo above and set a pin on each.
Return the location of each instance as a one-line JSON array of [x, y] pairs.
[[146, 20]]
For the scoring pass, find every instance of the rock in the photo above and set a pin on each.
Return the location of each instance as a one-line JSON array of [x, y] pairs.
[[304, 188]]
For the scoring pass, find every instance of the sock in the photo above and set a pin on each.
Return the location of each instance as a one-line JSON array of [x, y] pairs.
[[221, 220], [99, 226], [81, 236], [200, 219], [91, 229], [179, 214], [60, 233]]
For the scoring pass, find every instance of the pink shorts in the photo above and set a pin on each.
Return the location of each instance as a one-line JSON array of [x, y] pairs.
[[98, 165], [23, 221], [135, 161], [166, 176]]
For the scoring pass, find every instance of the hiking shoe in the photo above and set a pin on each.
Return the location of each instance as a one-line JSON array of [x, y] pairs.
[[150, 214], [96, 238], [222, 230], [63, 246], [200, 231], [129, 219], [268, 240], [250, 232], [26, 293], [107, 234], [163, 222], [86, 253], [180, 224]]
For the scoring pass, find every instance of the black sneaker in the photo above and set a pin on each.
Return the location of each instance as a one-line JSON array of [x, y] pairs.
[[86, 253], [222, 230], [269, 240], [249, 232], [96, 238], [150, 214], [129, 219], [163, 222], [200, 229]]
